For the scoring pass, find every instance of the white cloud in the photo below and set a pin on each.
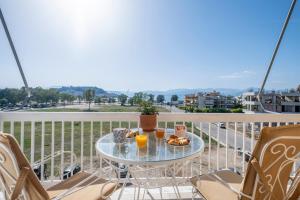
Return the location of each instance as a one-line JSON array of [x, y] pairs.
[[237, 75]]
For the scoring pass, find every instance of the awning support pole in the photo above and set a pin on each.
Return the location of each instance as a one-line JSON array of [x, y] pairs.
[[275, 53], [15, 53]]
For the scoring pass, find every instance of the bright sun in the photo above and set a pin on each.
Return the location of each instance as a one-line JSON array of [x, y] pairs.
[[87, 16]]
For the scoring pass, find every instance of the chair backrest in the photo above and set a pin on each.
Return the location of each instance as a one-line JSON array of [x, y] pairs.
[[12, 160], [276, 151]]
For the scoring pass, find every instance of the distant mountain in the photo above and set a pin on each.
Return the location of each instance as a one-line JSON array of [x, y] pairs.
[[79, 90], [182, 92]]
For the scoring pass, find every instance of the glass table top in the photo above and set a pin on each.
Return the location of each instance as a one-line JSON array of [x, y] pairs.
[[156, 151]]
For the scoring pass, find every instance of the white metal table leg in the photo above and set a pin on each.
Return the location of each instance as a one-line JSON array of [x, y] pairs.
[[160, 191], [124, 184], [138, 194]]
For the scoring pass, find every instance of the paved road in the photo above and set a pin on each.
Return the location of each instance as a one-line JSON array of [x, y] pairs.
[[222, 134], [231, 135], [173, 109]]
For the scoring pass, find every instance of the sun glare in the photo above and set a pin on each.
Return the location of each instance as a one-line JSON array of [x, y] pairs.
[[87, 16]]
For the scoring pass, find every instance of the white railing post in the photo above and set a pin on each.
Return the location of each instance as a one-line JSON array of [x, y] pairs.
[[226, 139], [32, 145], [1, 126], [235, 149], [218, 147], [22, 136], [243, 149], [81, 144], [72, 143], [200, 159], [101, 130], [209, 146], [12, 128], [62, 149], [52, 148], [91, 145], [252, 136], [42, 150]]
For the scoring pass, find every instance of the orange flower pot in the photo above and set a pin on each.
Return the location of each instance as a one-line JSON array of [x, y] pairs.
[[148, 122]]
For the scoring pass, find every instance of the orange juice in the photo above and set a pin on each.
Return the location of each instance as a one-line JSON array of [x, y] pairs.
[[141, 140], [160, 133]]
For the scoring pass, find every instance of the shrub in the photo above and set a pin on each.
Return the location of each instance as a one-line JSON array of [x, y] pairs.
[[147, 108], [237, 110]]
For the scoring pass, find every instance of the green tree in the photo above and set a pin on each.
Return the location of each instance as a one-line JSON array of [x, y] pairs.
[[131, 101], [160, 99], [3, 102], [80, 98], [38, 95], [71, 98], [122, 98], [139, 97], [89, 96], [51, 96], [111, 100], [151, 98], [13, 96], [174, 97], [64, 97], [98, 100]]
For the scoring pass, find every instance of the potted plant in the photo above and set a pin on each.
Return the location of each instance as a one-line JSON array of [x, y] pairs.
[[148, 117]]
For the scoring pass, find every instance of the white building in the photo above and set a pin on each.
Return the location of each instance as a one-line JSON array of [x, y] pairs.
[[209, 100], [273, 101]]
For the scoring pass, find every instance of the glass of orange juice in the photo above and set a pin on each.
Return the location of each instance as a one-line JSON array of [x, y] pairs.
[[160, 133], [141, 140]]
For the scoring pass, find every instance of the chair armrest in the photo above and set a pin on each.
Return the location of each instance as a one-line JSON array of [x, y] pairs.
[[20, 183], [294, 185], [115, 188], [261, 174]]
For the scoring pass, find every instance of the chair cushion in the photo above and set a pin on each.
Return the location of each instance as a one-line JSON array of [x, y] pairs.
[[86, 190], [216, 186]]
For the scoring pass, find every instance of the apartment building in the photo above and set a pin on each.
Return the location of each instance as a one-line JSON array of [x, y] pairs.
[[209, 100], [273, 101], [191, 100]]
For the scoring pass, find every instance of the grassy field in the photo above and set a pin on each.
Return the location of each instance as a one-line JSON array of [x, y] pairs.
[[97, 108]]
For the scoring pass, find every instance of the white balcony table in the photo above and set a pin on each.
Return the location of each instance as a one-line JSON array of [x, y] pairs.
[[157, 152]]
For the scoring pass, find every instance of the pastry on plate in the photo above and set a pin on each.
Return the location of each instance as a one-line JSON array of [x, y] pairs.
[[132, 134], [178, 141]]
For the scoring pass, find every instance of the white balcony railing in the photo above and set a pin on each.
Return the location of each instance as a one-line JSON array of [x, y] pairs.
[[41, 135]]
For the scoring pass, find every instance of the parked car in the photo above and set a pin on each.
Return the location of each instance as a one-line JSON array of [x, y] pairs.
[[71, 170], [38, 171], [222, 125], [247, 154], [122, 168]]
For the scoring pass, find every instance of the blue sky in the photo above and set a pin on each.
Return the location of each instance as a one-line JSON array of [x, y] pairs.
[[149, 44]]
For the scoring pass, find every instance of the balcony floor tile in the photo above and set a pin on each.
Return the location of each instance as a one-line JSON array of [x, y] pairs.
[[168, 193]]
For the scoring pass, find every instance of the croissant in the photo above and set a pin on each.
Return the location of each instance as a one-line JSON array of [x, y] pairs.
[[180, 141], [132, 134]]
